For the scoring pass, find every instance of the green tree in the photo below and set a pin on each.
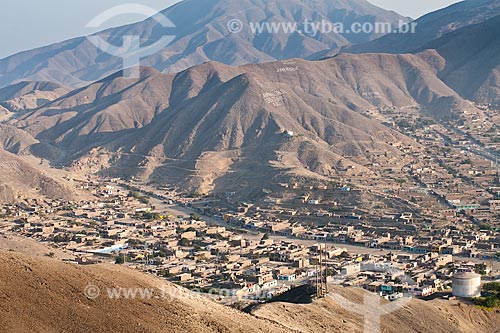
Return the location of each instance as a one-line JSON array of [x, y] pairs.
[[480, 269], [492, 287], [195, 216], [184, 242], [119, 260]]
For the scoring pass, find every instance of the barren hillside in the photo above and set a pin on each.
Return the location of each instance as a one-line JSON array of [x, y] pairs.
[[215, 126], [46, 295], [326, 315], [433, 26], [473, 71], [30, 95], [466, 38], [21, 176], [201, 34]]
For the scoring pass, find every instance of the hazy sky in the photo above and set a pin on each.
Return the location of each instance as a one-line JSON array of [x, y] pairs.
[[413, 8], [25, 24]]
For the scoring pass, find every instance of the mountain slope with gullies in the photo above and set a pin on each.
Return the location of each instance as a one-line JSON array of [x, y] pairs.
[[216, 127], [24, 177], [432, 26], [27, 95], [472, 61], [466, 38], [201, 35], [108, 106]]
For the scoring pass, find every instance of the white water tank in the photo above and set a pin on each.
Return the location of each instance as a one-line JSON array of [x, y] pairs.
[[466, 285]]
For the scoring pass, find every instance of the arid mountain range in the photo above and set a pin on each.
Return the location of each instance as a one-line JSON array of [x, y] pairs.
[[222, 112], [433, 26], [217, 127], [466, 36], [201, 34], [214, 126]]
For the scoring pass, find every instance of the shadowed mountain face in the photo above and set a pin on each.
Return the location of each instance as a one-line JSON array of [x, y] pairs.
[[215, 126], [467, 38], [201, 34], [472, 58], [30, 95], [432, 27]]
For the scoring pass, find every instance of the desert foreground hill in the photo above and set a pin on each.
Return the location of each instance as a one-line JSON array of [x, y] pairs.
[[46, 295]]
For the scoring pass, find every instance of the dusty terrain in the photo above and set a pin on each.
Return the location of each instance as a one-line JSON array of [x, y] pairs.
[[436, 316], [222, 128], [11, 243], [45, 295], [29, 177]]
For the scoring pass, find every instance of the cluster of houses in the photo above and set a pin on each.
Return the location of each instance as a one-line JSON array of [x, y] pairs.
[[258, 250]]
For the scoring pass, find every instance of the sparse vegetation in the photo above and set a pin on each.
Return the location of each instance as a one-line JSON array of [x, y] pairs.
[[185, 242], [141, 198], [119, 260], [492, 299]]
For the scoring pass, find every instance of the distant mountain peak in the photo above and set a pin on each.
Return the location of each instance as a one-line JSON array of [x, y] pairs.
[[203, 33], [466, 36]]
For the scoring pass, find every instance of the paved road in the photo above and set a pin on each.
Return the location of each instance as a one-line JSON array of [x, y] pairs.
[[348, 247], [176, 210]]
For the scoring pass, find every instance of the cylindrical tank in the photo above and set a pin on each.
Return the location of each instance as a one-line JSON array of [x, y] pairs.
[[466, 285]]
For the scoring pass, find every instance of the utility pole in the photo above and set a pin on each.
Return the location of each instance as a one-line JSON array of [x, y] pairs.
[[491, 265], [320, 273], [322, 277], [326, 274], [316, 279]]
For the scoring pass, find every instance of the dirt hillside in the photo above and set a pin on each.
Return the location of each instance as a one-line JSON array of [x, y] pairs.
[[437, 316], [46, 295]]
